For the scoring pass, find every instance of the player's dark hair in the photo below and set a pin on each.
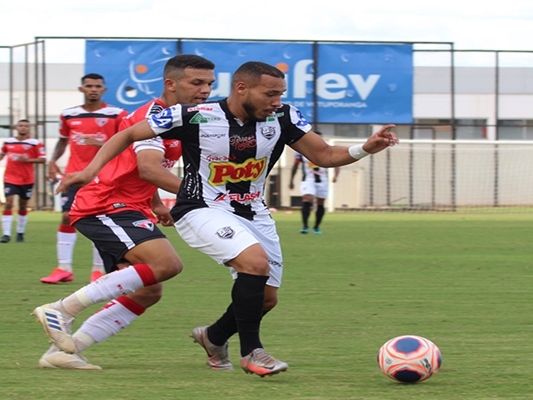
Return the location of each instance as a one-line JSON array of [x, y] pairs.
[[254, 70], [23, 120], [92, 76], [182, 61]]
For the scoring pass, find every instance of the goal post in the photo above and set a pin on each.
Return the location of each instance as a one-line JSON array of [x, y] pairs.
[[437, 175]]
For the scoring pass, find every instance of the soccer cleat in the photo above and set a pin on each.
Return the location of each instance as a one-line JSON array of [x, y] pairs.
[[5, 239], [58, 275], [20, 237], [95, 275], [56, 326], [60, 359], [261, 363], [217, 356], [317, 231], [304, 230]]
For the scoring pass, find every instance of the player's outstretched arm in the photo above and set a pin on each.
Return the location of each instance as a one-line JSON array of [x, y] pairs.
[[313, 147], [112, 148]]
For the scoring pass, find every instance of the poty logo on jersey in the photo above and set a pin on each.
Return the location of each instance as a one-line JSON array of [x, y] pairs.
[[144, 223], [164, 119], [224, 172]]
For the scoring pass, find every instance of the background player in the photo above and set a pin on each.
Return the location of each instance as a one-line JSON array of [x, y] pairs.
[[115, 211], [22, 153], [314, 185], [85, 128]]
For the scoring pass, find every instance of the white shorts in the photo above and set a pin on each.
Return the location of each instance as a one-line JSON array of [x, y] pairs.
[[223, 236], [316, 189]]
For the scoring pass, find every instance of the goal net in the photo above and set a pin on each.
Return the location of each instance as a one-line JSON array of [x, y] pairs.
[[438, 175]]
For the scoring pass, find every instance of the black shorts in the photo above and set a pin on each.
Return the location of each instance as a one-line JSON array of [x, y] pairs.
[[116, 234], [23, 191], [68, 198]]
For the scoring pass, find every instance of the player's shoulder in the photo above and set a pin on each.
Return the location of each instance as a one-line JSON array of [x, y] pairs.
[[112, 109]]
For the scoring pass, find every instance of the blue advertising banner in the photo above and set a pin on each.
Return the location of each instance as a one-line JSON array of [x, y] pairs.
[[355, 83], [133, 70]]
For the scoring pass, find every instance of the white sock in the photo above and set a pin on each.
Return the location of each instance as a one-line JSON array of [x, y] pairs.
[[106, 322], [65, 249], [7, 220], [22, 220], [98, 263]]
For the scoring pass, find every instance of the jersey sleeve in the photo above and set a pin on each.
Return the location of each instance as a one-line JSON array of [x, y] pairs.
[[294, 124], [168, 123]]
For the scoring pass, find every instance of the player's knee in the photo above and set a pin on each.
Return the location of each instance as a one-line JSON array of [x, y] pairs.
[[168, 269], [270, 303]]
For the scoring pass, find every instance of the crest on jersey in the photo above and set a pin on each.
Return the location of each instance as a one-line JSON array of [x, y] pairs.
[[101, 121], [226, 232], [144, 223], [268, 131]]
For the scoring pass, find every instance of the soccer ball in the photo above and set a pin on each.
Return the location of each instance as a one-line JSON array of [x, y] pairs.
[[409, 358]]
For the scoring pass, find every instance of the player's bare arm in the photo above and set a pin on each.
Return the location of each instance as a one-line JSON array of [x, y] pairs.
[[53, 169], [314, 148], [149, 164], [112, 148]]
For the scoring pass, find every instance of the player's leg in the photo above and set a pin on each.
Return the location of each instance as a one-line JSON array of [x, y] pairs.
[[98, 269], [66, 239], [22, 217], [227, 240], [152, 261], [7, 214], [307, 190], [321, 195]]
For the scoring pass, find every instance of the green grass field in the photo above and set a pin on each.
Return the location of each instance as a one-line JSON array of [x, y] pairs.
[[463, 281]]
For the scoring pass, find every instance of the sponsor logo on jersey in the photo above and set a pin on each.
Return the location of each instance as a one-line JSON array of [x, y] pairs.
[[226, 232], [301, 120], [242, 143], [224, 172], [268, 131], [163, 119], [200, 119], [199, 108], [243, 198], [274, 117], [144, 223], [116, 206]]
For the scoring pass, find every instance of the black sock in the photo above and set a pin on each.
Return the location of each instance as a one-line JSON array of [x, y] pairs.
[[306, 210], [320, 211], [225, 327], [248, 295]]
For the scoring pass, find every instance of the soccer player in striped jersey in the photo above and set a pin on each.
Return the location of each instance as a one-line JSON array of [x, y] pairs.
[[314, 185], [116, 212], [84, 128], [22, 152], [229, 148]]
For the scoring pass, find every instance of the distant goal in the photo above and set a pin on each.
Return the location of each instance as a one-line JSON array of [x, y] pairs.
[[438, 175]]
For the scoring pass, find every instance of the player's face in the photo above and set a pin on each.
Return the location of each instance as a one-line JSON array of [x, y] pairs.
[[263, 99], [23, 128], [92, 89], [194, 86]]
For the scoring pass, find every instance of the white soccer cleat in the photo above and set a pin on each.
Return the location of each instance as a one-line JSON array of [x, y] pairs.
[[261, 363], [217, 356], [56, 326], [60, 359]]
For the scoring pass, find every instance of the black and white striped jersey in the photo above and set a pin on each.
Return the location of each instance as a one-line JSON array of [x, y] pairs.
[[226, 162]]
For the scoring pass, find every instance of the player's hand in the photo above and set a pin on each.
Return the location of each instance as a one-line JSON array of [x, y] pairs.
[[381, 139], [92, 141], [54, 173], [291, 185], [162, 213], [77, 179], [22, 158]]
